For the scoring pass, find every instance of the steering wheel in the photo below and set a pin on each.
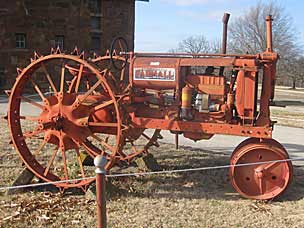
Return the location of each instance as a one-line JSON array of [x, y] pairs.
[[119, 45]]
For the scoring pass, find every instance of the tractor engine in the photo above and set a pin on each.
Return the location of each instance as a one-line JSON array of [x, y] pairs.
[[169, 89]]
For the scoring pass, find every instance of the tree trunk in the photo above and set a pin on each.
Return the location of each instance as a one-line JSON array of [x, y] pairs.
[[293, 84]]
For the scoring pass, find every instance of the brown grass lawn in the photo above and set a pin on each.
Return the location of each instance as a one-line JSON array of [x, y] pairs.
[[198, 199]]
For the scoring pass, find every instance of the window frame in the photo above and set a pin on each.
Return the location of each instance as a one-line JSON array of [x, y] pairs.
[[3, 79], [98, 24], [20, 41], [93, 43], [59, 41], [94, 6]]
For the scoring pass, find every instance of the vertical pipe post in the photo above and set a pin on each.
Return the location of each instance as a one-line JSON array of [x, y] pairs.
[[176, 141], [269, 48], [224, 38], [268, 84], [225, 28], [269, 33], [100, 162]]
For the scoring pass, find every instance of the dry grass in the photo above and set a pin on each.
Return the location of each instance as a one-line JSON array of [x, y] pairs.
[[199, 199]]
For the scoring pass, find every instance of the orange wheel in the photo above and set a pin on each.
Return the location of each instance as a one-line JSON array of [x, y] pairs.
[[260, 181], [73, 111]]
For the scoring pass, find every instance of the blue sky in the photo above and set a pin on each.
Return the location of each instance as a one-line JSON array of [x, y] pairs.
[[161, 24]]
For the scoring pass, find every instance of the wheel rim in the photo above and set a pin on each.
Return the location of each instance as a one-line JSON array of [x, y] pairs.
[[118, 77], [67, 121], [263, 181], [272, 142], [119, 44]]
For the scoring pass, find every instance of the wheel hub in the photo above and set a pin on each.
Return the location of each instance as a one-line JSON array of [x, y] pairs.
[[58, 122], [65, 121]]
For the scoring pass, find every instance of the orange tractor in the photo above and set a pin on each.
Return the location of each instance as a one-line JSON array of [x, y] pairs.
[[116, 105]]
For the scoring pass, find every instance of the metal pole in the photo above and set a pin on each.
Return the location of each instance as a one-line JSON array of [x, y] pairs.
[[100, 163], [269, 33], [176, 141]]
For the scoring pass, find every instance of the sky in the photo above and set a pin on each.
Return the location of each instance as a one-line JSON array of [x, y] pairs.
[[161, 24]]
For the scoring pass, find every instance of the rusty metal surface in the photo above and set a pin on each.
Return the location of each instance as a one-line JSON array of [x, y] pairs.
[[207, 128]]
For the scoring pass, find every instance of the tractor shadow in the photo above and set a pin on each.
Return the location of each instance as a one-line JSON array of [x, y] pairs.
[[205, 184]]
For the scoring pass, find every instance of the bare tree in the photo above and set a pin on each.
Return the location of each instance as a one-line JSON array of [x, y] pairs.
[[294, 70], [198, 44], [215, 46], [248, 32], [248, 35], [194, 44]]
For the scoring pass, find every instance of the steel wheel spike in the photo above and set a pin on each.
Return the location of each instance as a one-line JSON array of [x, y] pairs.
[[114, 53], [36, 55], [5, 117], [58, 51], [82, 55], [8, 92], [95, 56], [108, 53], [75, 51], [52, 51], [10, 142], [19, 70]]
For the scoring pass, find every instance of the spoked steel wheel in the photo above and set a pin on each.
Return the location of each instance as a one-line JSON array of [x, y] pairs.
[[117, 64], [260, 181], [137, 142], [117, 76], [73, 110]]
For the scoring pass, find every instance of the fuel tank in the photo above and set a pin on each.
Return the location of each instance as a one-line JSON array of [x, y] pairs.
[[158, 74]]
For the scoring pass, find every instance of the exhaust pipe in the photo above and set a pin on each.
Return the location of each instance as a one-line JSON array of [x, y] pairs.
[[225, 28], [224, 40]]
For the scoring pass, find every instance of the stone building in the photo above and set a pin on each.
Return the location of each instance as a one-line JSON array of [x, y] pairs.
[[37, 25]]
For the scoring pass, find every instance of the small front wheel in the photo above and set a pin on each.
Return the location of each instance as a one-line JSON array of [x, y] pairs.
[[118, 47], [263, 181]]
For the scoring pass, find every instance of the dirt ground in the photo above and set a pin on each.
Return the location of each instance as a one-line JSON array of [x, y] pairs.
[[196, 199]]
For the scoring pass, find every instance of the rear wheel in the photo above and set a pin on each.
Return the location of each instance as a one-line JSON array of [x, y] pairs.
[[73, 111]]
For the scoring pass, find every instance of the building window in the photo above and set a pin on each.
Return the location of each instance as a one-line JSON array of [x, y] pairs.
[[95, 6], [20, 40], [95, 42], [59, 42], [3, 80], [95, 23]]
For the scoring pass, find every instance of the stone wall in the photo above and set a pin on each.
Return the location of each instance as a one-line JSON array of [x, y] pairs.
[[43, 20]]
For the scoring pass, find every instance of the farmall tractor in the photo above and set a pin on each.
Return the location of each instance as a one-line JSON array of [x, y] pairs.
[[116, 105]]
